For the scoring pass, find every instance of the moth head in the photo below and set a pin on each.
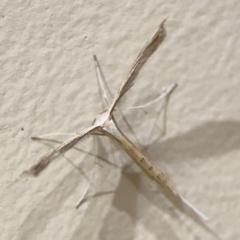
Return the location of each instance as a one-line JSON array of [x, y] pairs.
[[101, 119]]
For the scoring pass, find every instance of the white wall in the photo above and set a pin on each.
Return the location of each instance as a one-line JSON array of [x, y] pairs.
[[48, 84]]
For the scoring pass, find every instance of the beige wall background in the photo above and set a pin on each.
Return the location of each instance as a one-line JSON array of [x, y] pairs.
[[48, 85]]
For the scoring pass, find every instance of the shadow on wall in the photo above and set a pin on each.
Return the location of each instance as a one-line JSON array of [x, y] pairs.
[[213, 138], [203, 142]]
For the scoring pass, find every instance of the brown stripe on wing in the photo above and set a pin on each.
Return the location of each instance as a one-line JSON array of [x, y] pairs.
[[149, 48], [45, 160]]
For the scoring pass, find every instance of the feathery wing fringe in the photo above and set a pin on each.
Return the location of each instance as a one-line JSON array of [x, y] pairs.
[[149, 48], [45, 160]]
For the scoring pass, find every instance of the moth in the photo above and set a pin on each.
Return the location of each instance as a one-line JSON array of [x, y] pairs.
[[105, 124]]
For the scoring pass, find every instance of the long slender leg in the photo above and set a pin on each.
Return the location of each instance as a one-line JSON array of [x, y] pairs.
[[87, 188], [165, 94], [89, 182], [105, 101]]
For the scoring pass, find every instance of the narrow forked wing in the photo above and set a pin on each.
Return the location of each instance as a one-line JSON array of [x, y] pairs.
[[45, 160], [149, 48]]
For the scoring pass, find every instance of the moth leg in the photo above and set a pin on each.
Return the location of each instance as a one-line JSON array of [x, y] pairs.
[[165, 94], [87, 188], [90, 180]]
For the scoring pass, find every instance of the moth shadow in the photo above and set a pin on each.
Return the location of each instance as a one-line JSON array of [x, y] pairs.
[[46, 211], [130, 210], [48, 208], [209, 140], [123, 213]]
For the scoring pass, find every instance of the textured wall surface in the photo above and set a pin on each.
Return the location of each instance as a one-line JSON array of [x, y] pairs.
[[48, 85]]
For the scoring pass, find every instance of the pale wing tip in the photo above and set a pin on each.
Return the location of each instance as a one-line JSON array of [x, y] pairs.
[[162, 30], [173, 87], [34, 171], [26, 173], [163, 22]]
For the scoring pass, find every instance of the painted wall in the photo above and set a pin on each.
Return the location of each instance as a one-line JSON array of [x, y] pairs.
[[48, 85]]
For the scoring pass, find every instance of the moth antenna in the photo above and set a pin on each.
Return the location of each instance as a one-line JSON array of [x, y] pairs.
[[45, 136], [101, 82]]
